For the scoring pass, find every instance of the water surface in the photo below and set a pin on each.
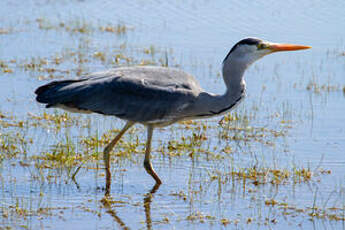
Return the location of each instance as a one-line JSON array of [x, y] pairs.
[[289, 130]]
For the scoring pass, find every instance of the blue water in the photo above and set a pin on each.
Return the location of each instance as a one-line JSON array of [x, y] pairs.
[[196, 35]]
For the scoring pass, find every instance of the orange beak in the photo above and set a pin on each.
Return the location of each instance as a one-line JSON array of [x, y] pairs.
[[275, 47]]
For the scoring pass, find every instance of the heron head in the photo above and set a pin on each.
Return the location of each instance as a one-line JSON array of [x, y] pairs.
[[249, 50]]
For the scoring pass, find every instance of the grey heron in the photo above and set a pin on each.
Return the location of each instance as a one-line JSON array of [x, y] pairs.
[[156, 96]]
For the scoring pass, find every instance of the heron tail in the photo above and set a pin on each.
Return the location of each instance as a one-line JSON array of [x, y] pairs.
[[53, 93]]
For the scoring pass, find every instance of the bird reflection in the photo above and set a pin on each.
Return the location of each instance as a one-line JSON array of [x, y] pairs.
[[147, 205], [107, 202]]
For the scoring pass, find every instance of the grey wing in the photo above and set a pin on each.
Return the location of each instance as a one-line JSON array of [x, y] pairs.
[[131, 94]]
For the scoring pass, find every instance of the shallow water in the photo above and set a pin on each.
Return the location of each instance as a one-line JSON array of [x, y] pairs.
[[291, 123]]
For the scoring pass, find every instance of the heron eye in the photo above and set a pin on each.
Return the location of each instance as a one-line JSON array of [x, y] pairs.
[[262, 46]]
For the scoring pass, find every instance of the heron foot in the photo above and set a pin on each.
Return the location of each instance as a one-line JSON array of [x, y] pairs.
[[151, 171]]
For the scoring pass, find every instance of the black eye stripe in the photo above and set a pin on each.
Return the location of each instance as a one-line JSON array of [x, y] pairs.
[[249, 41]]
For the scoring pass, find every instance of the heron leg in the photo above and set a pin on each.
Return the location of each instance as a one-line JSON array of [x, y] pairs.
[[106, 156], [147, 161]]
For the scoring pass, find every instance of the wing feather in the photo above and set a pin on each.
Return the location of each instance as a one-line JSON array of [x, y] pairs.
[[137, 94]]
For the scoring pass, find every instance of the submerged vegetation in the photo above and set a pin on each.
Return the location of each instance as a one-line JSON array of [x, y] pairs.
[[82, 27], [71, 63], [65, 161]]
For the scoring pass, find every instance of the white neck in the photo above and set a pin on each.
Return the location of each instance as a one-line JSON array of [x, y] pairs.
[[211, 105], [233, 72]]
